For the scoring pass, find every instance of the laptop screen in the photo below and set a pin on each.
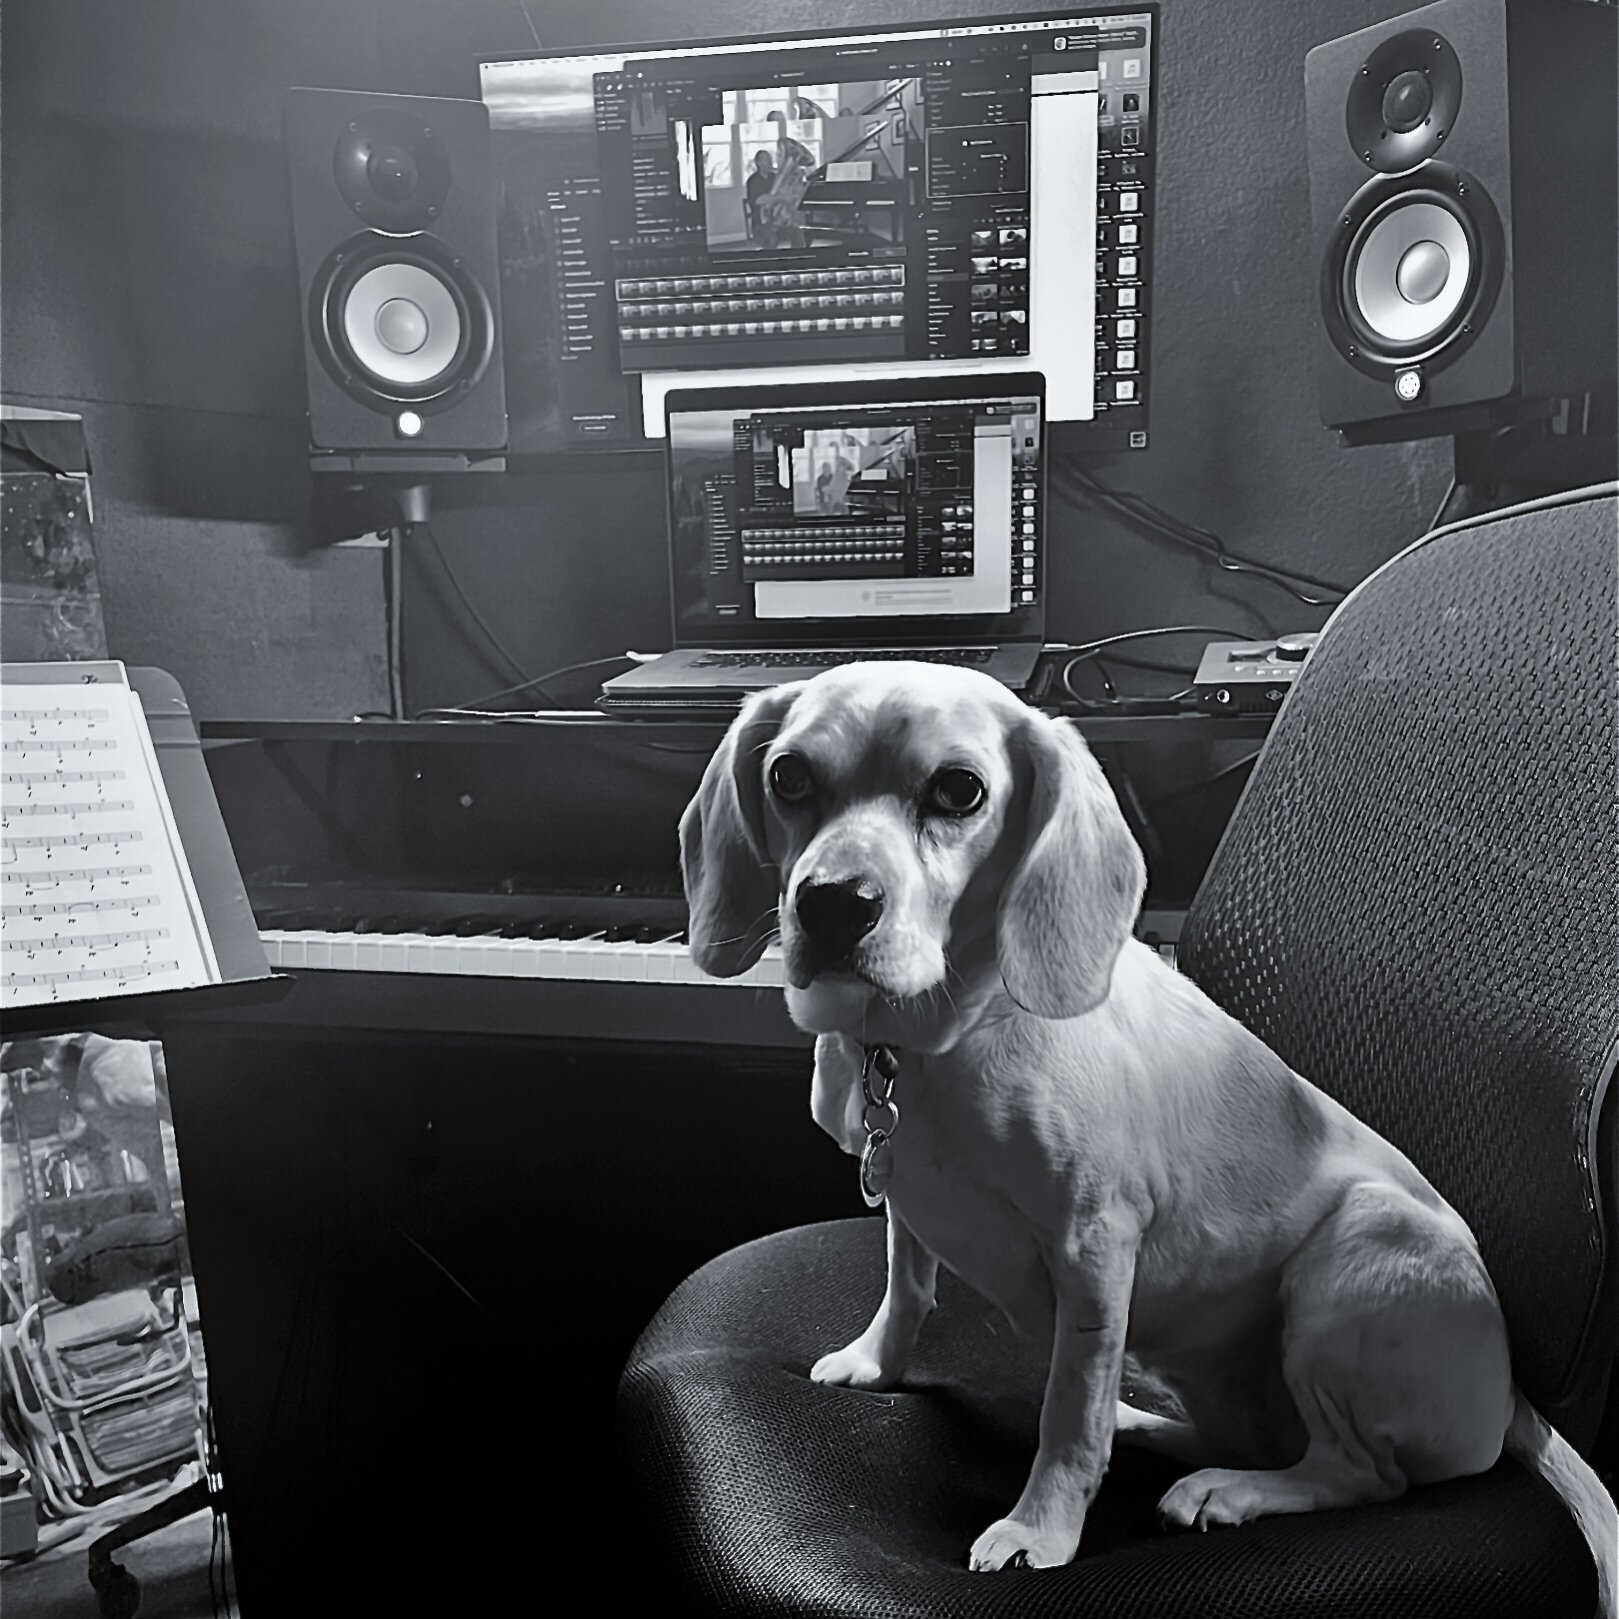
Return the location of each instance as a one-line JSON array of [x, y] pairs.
[[858, 513]]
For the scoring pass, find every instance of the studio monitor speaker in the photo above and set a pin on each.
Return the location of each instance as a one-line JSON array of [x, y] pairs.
[[1462, 189], [393, 212]]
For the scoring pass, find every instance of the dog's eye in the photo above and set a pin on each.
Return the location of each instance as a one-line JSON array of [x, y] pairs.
[[955, 792], [790, 779]]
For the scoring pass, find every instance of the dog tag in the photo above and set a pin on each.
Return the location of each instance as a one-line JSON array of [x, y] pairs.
[[876, 1168]]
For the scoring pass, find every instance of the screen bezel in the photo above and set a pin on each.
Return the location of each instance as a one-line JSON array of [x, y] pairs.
[[1020, 623], [1103, 433]]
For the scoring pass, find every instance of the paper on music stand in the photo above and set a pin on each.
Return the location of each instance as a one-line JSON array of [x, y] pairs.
[[96, 895]]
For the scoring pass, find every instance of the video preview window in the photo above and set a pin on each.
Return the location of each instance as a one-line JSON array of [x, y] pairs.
[[813, 166], [855, 472]]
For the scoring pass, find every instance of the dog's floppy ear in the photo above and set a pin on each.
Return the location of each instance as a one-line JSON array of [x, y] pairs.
[[732, 887], [1073, 896]]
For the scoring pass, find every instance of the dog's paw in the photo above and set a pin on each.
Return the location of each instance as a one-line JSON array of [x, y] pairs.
[[1210, 1498], [854, 1366], [1010, 1544]]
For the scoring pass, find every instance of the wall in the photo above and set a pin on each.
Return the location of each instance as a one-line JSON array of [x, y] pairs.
[[147, 281]]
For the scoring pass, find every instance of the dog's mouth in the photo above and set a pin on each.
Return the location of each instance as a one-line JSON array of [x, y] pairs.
[[849, 977], [805, 973]]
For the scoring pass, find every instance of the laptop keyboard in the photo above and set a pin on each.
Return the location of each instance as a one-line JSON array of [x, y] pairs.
[[827, 658]]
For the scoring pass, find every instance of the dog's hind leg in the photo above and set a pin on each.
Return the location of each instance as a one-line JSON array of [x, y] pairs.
[[1396, 1357], [1327, 1477], [878, 1357]]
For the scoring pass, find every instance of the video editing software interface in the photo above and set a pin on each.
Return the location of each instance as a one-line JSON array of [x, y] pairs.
[[894, 202], [827, 513]]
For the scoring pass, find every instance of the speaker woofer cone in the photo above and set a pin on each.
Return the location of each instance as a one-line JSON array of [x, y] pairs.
[[1413, 270], [1407, 275], [400, 323]]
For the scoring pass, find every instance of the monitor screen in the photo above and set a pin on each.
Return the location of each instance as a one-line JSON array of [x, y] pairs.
[[907, 201], [846, 508]]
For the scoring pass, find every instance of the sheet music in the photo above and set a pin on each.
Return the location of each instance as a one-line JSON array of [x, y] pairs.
[[96, 897]]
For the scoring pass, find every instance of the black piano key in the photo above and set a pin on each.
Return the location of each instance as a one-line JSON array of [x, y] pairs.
[[384, 924], [476, 926], [459, 927], [560, 928]]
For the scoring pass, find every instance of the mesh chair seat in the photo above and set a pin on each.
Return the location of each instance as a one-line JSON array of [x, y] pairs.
[[770, 1495]]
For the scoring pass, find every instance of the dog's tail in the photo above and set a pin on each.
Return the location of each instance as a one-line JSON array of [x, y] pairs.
[[1532, 1440]]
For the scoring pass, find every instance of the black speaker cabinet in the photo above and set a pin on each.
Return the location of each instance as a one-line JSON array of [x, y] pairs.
[[393, 214], [1462, 189]]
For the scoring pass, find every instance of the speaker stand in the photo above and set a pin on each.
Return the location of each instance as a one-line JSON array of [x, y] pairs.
[[1574, 446], [342, 508]]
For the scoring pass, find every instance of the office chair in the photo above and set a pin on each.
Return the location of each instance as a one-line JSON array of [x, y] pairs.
[[1417, 905]]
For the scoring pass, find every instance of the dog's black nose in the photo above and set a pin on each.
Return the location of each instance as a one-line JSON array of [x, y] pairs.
[[837, 916]]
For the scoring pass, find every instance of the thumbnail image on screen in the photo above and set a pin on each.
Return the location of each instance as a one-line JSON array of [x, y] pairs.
[[890, 202]]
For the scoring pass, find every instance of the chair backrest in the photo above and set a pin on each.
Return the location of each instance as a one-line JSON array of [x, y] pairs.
[[1416, 903]]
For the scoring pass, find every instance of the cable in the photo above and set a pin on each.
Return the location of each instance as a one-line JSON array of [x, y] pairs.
[[393, 589], [473, 704], [1087, 651], [1444, 506], [1144, 513], [465, 600], [1188, 788], [1143, 635], [1141, 511]]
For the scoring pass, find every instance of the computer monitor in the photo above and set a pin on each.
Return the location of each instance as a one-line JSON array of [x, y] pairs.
[[892, 201]]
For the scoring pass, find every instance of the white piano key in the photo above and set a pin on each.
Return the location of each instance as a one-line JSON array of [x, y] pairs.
[[341, 947], [406, 952], [486, 956], [686, 971], [629, 961], [579, 957], [769, 969], [661, 960]]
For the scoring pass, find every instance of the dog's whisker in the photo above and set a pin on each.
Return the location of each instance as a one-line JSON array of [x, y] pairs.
[[748, 932]]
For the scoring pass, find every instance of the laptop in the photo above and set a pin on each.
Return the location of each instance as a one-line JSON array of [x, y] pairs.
[[826, 523]]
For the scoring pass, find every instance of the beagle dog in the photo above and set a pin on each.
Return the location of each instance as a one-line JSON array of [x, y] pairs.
[[1086, 1138]]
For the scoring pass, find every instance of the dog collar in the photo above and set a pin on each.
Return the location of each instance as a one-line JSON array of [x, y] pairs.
[[880, 1120]]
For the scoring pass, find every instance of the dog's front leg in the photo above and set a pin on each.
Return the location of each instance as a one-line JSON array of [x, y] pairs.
[[878, 1357], [1092, 1285]]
